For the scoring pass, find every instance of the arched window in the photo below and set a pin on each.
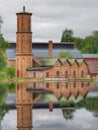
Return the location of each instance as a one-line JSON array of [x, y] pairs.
[[66, 84], [82, 74], [66, 74], [74, 84], [34, 74], [34, 85], [22, 23], [82, 85], [57, 73], [47, 85], [58, 85], [47, 74], [74, 74]]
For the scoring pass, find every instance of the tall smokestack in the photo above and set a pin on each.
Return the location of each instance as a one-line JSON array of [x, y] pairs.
[[50, 49]]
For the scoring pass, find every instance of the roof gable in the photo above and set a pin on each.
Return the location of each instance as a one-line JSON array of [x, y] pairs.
[[58, 63], [48, 61]]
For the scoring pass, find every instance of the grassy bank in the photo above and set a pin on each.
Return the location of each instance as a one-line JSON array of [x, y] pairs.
[[23, 80]]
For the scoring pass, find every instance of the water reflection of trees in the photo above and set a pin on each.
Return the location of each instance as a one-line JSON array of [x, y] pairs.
[[3, 110], [89, 103], [68, 113], [4, 89]]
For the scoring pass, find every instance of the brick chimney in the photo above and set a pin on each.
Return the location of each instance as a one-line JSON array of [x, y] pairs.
[[50, 49]]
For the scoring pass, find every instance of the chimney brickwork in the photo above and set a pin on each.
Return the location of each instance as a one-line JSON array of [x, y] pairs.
[[24, 100], [50, 49]]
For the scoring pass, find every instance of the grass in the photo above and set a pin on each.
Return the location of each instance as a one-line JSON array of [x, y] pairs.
[[21, 80]]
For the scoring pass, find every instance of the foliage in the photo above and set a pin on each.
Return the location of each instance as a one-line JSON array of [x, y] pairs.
[[10, 72], [3, 110], [89, 44], [2, 60], [67, 35], [68, 113], [3, 93], [3, 44], [63, 54]]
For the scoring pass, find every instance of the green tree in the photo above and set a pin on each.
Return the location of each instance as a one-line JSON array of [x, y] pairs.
[[11, 72], [90, 43], [2, 60], [67, 35], [3, 43], [78, 43]]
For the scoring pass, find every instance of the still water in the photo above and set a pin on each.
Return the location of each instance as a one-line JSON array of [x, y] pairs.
[[83, 116], [44, 120]]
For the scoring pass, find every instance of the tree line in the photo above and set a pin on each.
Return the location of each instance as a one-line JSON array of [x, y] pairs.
[[89, 44]]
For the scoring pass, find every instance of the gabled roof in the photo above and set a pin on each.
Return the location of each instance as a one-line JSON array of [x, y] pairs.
[[48, 62], [79, 61], [71, 61]]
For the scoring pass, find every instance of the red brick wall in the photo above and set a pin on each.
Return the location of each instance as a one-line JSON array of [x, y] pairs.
[[62, 68]]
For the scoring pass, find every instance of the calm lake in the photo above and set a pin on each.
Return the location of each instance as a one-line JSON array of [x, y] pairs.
[[83, 116]]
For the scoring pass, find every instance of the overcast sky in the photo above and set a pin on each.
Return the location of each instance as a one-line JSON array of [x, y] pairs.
[[51, 17]]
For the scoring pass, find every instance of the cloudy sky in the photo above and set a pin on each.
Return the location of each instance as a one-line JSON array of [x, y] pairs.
[[51, 17]]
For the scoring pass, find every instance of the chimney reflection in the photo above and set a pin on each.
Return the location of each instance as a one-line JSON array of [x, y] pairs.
[[29, 93]]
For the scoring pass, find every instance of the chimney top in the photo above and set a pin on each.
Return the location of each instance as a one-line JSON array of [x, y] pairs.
[[23, 8]]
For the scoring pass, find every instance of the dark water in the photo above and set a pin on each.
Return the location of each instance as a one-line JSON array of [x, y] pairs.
[[83, 116]]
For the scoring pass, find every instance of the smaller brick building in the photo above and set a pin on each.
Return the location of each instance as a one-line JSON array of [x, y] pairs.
[[92, 62], [59, 68]]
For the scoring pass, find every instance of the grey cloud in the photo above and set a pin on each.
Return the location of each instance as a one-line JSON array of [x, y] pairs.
[[51, 17]]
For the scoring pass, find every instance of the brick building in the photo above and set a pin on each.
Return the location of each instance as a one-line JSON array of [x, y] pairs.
[[92, 62], [41, 60]]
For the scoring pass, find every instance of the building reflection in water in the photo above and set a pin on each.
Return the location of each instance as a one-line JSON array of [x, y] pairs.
[[28, 93], [61, 89]]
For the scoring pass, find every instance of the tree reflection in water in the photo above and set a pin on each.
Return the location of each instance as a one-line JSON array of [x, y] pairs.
[[89, 103], [68, 113], [4, 89]]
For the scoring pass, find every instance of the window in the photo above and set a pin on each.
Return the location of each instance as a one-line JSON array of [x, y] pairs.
[[47, 85], [82, 85], [74, 74], [74, 84], [82, 74], [47, 74], [23, 23], [58, 85], [66, 74], [57, 74], [34, 74], [34, 85], [66, 84]]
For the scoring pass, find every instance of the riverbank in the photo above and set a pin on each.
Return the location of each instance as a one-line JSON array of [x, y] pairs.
[[24, 80]]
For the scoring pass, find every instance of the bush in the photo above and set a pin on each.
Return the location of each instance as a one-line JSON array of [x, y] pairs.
[[10, 72]]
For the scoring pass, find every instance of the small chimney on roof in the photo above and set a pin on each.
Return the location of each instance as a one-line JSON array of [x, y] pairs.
[[50, 49], [24, 9]]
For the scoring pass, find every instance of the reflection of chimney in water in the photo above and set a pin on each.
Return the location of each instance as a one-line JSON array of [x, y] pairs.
[[50, 49]]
